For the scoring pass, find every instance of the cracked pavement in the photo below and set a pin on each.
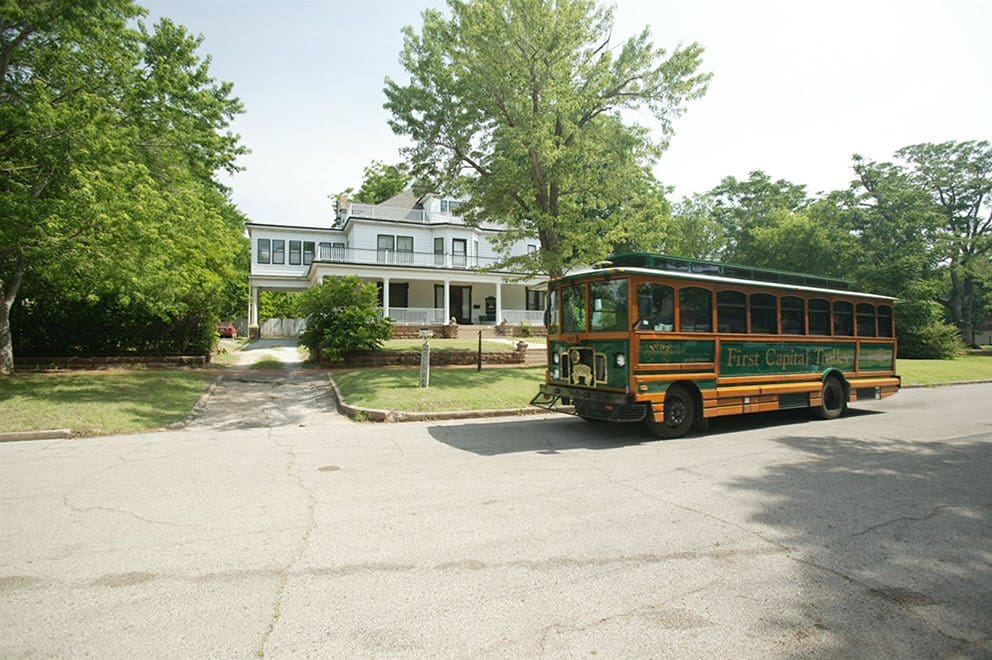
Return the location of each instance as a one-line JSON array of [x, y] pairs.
[[288, 530]]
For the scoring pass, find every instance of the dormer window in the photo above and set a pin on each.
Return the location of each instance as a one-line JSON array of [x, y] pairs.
[[449, 206]]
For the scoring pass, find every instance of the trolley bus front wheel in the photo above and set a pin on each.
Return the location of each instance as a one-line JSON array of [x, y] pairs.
[[680, 414], [833, 400]]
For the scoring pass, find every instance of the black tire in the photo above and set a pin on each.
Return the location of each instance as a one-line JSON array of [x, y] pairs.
[[680, 414], [833, 400]]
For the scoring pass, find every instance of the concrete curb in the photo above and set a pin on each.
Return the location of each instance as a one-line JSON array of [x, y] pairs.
[[49, 434], [957, 382], [373, 415]]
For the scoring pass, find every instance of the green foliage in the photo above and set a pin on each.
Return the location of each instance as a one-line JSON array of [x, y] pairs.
[[379, 183], [112, 137], [741, 207], [515, 106], [922, 332], [694, 231], [803, 241], [278, 305], [343, 315]]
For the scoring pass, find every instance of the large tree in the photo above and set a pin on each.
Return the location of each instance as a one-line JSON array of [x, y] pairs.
[[111, 137], [516, 106], [958, 178]]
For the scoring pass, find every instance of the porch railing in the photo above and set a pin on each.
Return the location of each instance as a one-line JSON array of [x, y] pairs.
[[518, 316], [435, 315]]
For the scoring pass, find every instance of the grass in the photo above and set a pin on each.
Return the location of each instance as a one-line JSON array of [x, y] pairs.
[[450, 389], [267, 361], [440, 344], [936, 372], [99, 403]]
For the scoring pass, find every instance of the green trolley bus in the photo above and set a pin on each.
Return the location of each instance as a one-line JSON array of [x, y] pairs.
[[674, 342]]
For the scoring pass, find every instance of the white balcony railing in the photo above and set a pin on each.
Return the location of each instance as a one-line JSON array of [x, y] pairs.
[[428, 259], [377, 212]]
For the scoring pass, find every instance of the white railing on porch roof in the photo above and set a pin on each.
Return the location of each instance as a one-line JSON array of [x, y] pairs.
[[396, 258]]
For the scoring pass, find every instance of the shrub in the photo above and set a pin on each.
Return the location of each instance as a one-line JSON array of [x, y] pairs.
[[922, 332], [342, 316]]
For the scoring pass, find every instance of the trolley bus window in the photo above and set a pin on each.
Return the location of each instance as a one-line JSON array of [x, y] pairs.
[[843, 319], [695, 310], [609, 306], [731, 311], [655, 307], [793, 316], [764, 317], [573, 307], [866, 320], [819, 317], [884, 321], [552, 319]]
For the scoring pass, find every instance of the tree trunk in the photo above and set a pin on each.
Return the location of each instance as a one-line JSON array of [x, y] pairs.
[[6, 303]]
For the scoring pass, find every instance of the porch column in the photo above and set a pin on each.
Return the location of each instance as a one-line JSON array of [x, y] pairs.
[[385, 297], [253, 306], [499, 302], [447, 302]]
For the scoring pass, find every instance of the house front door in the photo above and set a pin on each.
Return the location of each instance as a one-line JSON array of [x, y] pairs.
[[461, 304]]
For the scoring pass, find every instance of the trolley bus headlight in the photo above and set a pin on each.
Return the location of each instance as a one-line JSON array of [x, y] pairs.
[[554, 358], [555, 373], [621, 359]]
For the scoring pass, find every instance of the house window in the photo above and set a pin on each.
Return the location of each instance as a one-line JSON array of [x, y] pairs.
[[475, 251], [459, 249], [325, 251], [399, 294], [307, 253], [337, 251], [449, 206], [404, 249], [535, 300], [387, 246], [278, 251], [531, 248], [439, 252], [264, 246], [294, 253]]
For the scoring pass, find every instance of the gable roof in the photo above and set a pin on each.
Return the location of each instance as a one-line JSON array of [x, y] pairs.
[[403, 200]]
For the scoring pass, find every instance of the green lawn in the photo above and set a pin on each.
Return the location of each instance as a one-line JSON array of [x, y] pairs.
[[935, 372], [441, 344], [99, 403], [451, 389]]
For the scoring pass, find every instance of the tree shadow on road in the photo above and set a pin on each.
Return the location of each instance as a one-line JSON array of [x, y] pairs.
[[893, 539]]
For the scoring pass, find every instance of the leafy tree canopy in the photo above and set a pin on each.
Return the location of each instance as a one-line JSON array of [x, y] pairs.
[[112, 137], [516, 106]]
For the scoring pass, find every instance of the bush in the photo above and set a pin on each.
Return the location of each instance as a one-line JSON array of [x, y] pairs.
[[922, 332], [342, 316]]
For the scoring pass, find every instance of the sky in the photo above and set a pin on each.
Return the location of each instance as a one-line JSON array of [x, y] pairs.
[[798, 87]]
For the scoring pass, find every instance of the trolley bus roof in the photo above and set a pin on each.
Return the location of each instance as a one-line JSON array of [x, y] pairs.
[[716, 279]]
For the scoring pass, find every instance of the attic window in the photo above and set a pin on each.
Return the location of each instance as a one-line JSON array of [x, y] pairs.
[[449, 206]]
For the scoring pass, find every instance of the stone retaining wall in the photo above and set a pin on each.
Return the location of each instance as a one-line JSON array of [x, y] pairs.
[[413, 331], [95, 362]]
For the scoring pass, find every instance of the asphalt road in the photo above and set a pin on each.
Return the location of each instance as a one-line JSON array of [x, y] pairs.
[[868, 536]]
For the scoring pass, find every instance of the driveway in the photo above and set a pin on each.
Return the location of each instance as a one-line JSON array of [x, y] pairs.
[[772, 536], [246, 397]]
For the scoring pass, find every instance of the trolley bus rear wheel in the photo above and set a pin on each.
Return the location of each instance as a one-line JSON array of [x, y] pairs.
[[833, 402], [680, 413]]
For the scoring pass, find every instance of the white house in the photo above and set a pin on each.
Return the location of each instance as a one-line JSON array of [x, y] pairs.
[[428, 264]]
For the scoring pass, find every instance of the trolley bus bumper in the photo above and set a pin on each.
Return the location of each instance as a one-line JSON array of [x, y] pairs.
[[607, 406]]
